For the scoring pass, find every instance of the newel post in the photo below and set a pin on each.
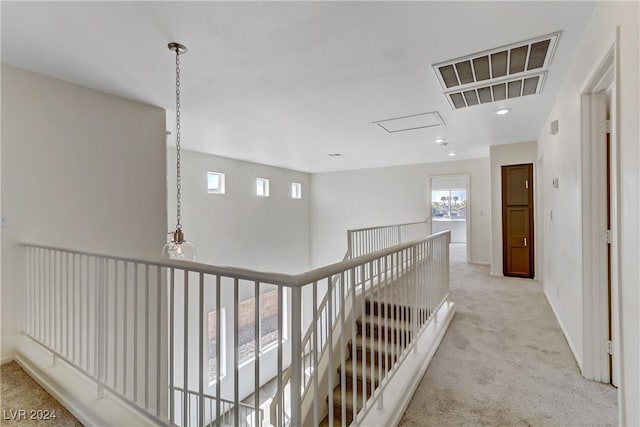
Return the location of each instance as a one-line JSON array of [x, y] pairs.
[[296, 368]]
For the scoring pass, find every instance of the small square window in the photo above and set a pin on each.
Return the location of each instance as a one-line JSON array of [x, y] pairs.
[[296, 190], [215, 183], [262, 187]]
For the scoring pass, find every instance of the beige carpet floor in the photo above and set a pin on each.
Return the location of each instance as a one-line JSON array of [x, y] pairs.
[[20, 392], [504, 362]]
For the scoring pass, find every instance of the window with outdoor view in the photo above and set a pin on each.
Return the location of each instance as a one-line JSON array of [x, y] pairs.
[[268, 325], [449, 205], [213, 342]]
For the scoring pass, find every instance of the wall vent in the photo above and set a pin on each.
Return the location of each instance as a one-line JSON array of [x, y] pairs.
[[502, 73]]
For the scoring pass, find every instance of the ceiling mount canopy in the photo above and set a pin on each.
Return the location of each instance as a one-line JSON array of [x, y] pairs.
[[180, 49]]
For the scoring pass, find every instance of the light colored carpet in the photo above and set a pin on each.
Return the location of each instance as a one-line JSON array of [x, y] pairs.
[[20, 392], [504, 362]]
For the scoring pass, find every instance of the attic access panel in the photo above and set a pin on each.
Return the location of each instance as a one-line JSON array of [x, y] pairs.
[[519, 69], [415, 121]]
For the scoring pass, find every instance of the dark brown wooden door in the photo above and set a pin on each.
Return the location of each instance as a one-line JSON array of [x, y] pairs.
[[517, 220]]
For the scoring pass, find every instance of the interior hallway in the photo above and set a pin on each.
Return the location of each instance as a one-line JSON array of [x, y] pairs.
[[504, 361]]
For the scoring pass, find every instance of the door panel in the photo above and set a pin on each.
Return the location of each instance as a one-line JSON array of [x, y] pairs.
[[516, 180], [517, 220], [518, 240]]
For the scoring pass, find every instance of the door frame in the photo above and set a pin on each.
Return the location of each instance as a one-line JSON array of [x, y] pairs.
[[467, 186], [596, 305], [539, 215]]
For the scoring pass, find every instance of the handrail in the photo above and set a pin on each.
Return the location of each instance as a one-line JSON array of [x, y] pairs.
[[208, 396], [323, 303], [330, 270], [230, 402], [284, 279], [377, 227], [277, 279], [305, 340]]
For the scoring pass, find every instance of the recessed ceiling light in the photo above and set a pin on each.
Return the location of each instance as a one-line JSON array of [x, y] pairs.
[[502, 111], [334, 154], [439, 140], [452, 153]]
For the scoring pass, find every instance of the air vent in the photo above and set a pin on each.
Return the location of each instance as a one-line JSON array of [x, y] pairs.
[[499, 92], [415, 121], [506, 72]]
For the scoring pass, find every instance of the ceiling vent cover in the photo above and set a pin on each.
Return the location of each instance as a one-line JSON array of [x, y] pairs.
[[506, 72]]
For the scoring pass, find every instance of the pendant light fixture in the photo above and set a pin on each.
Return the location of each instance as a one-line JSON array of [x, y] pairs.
[[178, 247]]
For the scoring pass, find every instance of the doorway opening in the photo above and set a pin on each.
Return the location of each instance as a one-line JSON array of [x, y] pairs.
[[450, 208], [600, 216]]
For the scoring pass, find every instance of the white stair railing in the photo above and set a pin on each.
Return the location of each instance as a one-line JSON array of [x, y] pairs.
[[360, 242], [407, 283], [140, 329], [247, 412], [364, 241]]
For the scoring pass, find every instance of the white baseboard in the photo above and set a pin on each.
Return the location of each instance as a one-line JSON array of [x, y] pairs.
[[74, 391], [51, 387], [564, 332], [399, 392], [492, 274], [7, 359], [480, 263]]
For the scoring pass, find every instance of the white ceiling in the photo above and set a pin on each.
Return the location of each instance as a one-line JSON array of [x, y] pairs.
[[287, 83]]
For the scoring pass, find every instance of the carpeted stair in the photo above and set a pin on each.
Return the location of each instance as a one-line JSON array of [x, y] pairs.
[[371, 336]]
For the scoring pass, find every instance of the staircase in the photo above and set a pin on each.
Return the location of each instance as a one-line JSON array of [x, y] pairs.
[[382, 334]]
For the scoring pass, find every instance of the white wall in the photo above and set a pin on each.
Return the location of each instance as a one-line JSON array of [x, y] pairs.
[[238, 228], [447, 182], [563, 265], [80, 169], [368, 197], [457, 227], [502, 155], [3, 353]]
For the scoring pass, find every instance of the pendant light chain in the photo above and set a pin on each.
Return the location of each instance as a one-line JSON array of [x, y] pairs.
[[178, 247], [178, 176]]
